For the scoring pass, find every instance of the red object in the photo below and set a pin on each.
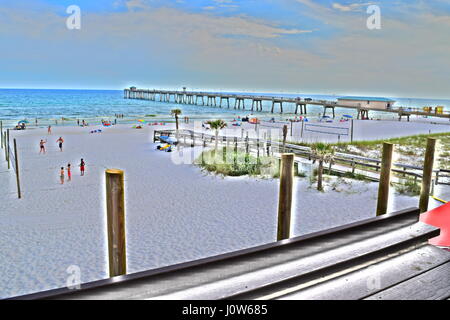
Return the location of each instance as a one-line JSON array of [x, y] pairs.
[[439, 217]]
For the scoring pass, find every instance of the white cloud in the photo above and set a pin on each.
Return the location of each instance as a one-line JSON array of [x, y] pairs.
[[135, 4], [349, 8]]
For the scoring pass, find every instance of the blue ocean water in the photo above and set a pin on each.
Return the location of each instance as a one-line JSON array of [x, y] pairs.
[[93, 105]]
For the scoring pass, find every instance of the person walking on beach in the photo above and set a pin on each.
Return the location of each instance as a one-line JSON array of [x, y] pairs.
[[82, 165], [69, 173], [61, 175], [49, 129], [42, 146], [60, 143]]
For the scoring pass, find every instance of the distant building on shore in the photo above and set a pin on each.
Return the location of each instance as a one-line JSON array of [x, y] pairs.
[[367, 102]]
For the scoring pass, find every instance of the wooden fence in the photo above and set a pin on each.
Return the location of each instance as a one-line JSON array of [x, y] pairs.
[[11, 156], [265, 146]]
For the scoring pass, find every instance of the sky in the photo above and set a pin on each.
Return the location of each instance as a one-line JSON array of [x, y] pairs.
[[292, 46]]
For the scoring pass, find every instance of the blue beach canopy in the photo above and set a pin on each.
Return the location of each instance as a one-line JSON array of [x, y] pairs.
[[167, 139], [23, 121], [347, 116]]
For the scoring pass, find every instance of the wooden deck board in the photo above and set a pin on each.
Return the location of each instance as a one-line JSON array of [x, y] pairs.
[[432, 285], [372, 279], [324, 256]]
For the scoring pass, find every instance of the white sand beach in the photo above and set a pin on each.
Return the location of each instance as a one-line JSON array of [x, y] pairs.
[[174, 212]]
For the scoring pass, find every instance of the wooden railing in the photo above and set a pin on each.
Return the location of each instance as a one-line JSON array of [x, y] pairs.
[[351, 161]]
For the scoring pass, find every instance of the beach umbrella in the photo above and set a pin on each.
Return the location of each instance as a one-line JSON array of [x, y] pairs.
[[347, 116], [440, 218], [23, 121], [141, 121]]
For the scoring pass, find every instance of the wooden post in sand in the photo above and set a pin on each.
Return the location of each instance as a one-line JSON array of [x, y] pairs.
[[115, 211], [7, 149], [224, 149], [4, 144], [285, 196], [16, 159], [351, 131], [385, 178], [285, 130], [246, 144], [427, 175], [257, 150], [235, 152], [1, 130], [303, 126]]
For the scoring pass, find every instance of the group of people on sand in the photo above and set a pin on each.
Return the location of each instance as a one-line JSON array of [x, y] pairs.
[[107, 123], [83, 123], [60, 142], [62, 177], [42, 143], [20, 126], [119, 115]]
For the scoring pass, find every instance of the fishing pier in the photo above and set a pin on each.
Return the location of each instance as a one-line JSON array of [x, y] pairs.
[[238, 102]]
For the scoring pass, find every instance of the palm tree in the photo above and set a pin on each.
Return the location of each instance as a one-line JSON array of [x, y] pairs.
[[217, 125], [176, 113], [321, 152]]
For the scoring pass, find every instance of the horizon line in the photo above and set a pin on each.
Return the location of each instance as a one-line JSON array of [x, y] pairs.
[[234, 90]]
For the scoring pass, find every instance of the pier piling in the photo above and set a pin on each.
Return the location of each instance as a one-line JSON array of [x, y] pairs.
[[115, 212], [427, 175], [385, 178], [285, 196]]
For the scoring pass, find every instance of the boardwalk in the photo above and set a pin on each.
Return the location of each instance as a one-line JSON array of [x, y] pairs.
[[342, 163], [222, 100], [381, 258]]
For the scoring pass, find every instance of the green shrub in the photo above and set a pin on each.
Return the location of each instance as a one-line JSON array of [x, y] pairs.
[[409, 188], [235, 164], [301, 174]]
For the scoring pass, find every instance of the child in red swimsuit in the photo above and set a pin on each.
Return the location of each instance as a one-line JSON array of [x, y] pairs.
[[82, 165]]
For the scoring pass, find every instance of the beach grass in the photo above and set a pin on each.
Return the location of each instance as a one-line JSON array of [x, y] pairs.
[[408, 187], [235, 164], [409, 148]]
